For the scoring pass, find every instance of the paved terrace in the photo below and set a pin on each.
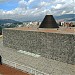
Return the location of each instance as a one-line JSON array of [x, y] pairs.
[[48, 66], [62, 30]]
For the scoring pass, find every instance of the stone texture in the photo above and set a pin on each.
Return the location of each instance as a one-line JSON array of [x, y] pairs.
[[55, 46], [42, 64]]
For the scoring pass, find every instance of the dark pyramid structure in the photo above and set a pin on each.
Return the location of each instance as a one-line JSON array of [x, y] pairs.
[[49, 22]]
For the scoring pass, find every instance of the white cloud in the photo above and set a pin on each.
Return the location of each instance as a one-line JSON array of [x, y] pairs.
[[44, 3], [43, 7], [30, 1], [23, 4], [58, 6], [63, 12], [9, 12], [63, 8]]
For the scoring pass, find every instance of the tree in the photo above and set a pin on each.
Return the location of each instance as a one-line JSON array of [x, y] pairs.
[[0, 30]]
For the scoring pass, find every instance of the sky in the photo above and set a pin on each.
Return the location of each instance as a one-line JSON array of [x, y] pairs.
[[26, 10]]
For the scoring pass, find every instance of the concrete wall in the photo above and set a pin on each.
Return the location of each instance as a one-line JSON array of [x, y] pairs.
[[55, 46]]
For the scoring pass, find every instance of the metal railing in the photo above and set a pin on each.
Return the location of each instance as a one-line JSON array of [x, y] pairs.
[[24, 68]]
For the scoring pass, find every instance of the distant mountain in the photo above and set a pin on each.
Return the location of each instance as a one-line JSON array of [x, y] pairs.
[[65, 17], [2, 21], [73, 19]]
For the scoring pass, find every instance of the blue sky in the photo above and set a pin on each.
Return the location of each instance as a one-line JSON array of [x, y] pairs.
[[8, 5], [34, 9]]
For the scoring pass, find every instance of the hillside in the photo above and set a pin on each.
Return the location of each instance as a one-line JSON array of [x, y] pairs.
[[73, 19], [65, 17], [2, 21]]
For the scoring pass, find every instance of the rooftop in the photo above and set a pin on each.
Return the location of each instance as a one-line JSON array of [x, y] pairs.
[[61, 30]]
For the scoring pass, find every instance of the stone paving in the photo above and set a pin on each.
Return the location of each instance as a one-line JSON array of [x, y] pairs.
[[49, 66]]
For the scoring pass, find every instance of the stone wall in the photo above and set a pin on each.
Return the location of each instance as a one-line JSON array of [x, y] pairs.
[[55, 46]]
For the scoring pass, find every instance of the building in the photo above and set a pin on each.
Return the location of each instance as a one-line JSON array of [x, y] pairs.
[[44, 46]]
